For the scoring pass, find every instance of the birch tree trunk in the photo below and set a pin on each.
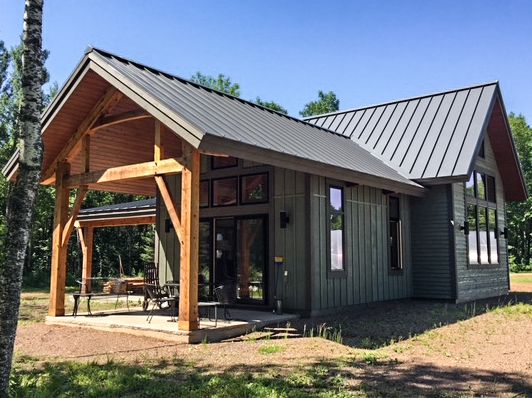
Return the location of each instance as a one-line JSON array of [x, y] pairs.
[[22, 197]]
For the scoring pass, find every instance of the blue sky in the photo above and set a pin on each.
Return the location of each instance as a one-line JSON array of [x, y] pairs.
[[367, 52]]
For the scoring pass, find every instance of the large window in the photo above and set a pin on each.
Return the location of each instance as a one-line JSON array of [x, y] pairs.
[[482, 219], [254, 188], [394, 218], [336, 228], [225, 191]]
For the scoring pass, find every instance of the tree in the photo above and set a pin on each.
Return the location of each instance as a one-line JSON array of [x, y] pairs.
[[22, 197], [221, 83], [520, 213], [271, 105], [326, 103]]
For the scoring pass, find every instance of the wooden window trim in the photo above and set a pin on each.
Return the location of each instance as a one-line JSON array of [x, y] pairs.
[[332, 274]]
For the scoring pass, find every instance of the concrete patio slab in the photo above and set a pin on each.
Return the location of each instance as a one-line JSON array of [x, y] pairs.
[[161, 326]]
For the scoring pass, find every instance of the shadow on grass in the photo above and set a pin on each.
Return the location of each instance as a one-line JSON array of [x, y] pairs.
[[324, 379], [377, 325]]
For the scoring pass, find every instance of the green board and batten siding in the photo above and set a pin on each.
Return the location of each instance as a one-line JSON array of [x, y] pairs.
[[432, 240], [290, 194], [368, 277], [167, 249], [476, 282]]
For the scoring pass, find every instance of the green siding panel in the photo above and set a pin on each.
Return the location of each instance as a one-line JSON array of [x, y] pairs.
[[489, 281]]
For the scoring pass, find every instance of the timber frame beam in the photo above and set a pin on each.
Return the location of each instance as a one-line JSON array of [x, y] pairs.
[[128, 172]]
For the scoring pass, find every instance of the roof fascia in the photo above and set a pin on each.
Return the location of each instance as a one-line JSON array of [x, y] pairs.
[[512, 143], [212, 143]]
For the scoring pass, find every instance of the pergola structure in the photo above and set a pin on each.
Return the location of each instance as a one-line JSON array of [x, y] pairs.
[[121, 215], [184, 218], [97, 138]]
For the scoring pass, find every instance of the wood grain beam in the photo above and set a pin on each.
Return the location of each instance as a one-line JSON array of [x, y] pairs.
[[188, 272], [59, 251], [69, 226], [116, 222], [86, 238], [119, 118], [107, 102], [169, 203], [128, 172]]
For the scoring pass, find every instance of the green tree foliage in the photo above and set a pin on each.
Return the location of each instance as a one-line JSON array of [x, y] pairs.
[[326, 103], [520, 213], [221, 83], [274, 106]]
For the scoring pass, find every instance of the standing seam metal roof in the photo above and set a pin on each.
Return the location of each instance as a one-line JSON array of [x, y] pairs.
[[433, 136], [221, 115]]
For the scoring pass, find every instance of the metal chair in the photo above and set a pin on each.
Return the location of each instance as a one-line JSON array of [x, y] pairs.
[[226, 295], [158, 300], [151, 280]]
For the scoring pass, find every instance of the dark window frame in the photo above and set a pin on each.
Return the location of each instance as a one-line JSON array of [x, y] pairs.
[[483, 204], [336, 273], [212, 191], [241, 189], [399, 225], [204, 206], [213, 159]]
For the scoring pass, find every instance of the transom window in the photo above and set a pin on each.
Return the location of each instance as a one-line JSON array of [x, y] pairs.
[[481, 201], [336, 228]]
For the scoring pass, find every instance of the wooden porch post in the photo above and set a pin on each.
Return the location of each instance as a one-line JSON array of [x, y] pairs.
[[59, 251], [86, 237], [188, 275]]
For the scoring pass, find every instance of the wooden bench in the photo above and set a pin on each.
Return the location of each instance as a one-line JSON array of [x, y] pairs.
[[90, 288]]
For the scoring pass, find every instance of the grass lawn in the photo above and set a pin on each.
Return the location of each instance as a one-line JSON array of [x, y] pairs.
[[397, 349]]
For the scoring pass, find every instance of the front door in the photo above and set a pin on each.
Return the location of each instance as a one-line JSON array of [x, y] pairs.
[[233, 250]]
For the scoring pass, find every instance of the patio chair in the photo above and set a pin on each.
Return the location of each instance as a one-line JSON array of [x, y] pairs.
[[157, 300], [151, 280], [226, 295]]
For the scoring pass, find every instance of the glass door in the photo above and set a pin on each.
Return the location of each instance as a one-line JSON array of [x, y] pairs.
[[224, 251], [251, 259]]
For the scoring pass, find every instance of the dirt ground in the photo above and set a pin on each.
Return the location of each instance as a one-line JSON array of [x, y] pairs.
[[413, 348]]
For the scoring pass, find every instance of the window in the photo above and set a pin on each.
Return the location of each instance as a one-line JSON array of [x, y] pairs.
[[482, 219], [224, 191], [254, 189], [481, 151], [204, 194], [394, 216], [336, 228], [223, 162]]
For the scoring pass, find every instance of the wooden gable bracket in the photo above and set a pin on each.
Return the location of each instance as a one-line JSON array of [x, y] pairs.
[[173, 211], [105, 104], [74, 212]]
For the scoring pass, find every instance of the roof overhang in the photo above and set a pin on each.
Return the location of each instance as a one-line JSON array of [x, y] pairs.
[[95, 63]]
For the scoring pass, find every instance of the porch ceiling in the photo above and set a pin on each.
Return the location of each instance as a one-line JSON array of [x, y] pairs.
[[112, 146]]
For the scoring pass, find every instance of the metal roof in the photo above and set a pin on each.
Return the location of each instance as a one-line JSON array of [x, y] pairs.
[[200, 114], [121, 210], [428, 137]]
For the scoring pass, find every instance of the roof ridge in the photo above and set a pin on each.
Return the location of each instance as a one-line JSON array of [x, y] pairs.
[[418, 97], [197, 85]]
